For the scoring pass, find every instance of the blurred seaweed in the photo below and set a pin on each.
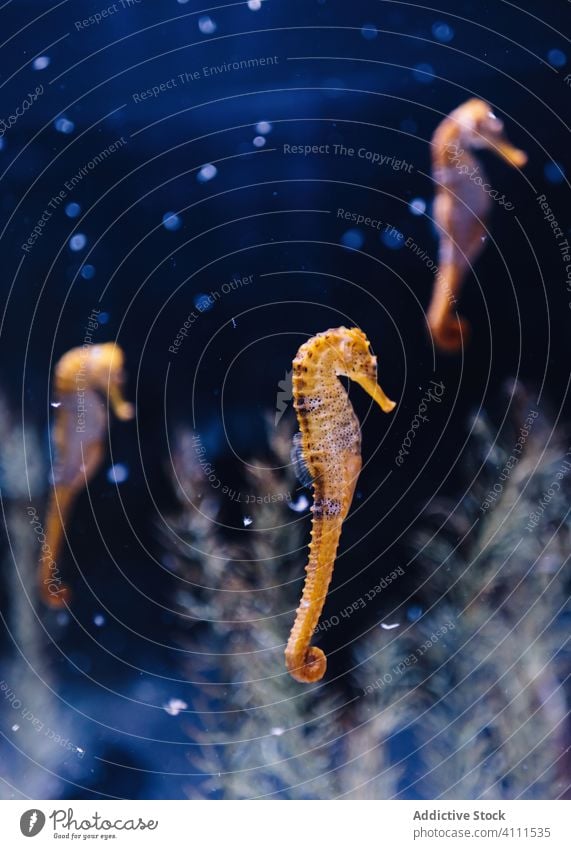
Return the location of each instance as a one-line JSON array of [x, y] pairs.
[[467, 700]]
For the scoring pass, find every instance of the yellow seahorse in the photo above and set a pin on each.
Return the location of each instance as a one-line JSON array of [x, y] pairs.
[[328, 450], [462, 207], [84, 379]]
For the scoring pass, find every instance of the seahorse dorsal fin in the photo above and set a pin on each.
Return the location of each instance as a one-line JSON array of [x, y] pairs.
[[302, 473]]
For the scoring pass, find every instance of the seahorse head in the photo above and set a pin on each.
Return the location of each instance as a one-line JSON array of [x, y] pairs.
[[108, 374], [97, 367], [479, 127], [356, 362]]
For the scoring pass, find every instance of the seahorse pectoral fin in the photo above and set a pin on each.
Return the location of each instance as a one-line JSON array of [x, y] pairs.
[[302, 473], [374, 390], [516, 158]]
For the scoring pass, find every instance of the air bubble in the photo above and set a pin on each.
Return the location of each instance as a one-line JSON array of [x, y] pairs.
[[171, 221], [64, 125], [369, 31], [353, 239], [417, 206], [206, 173], [557, 58], [424, 73], [206, 25], [118, 473], [40, 63], [78, 242], [72, 210], [442, 32]]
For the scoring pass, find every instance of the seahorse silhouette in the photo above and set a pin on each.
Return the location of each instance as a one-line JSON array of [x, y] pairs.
[[462, 206], [84, 379], [328, 450]]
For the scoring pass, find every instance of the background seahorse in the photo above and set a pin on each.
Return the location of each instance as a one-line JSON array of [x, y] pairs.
[[461, 207], [328, 449], [84, 379]]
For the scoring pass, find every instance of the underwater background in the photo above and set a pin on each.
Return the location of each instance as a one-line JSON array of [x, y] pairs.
[[159, 159]]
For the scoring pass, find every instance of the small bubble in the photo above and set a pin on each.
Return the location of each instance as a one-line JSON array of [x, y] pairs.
[[390, 627], [206, 173], [300, 505], [118, 473], [171, 221], [63, 125], [78, 242], [72, 210], [88, 272], [203, 303], [263, 127], [206, 25], [417, 206], [40, 62], [442, 32], [99, 620], [557, 58], [414, 612], [353, 239], [369, 31], [174, 706], [55, 404], [392, 239], [277, 732], [247, 520], [424, 72], [15, 728], [554, 172], [259, 141], [254, 5]]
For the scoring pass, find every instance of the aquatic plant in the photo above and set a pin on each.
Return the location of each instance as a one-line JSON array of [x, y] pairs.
[[465, 699]]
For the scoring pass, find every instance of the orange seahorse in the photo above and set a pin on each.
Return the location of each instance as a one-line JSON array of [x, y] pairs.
[[462, 206], [327, 450], [84, 378]]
